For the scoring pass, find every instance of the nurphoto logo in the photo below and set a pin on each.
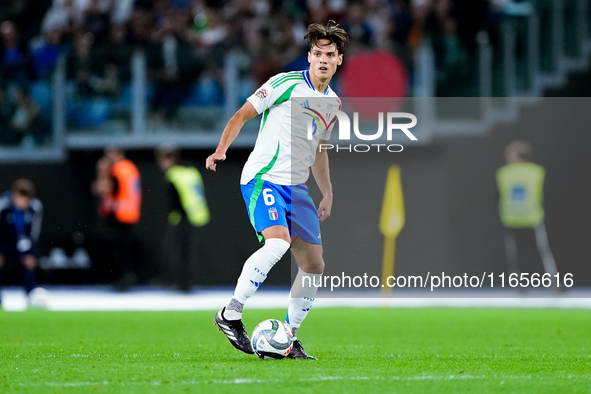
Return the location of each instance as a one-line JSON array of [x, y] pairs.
[[392, 125]]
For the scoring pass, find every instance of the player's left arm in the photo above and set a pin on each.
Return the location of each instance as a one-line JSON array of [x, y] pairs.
[[321, 173]]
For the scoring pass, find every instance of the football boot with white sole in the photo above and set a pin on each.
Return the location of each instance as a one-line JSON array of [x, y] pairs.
[[234, 331]]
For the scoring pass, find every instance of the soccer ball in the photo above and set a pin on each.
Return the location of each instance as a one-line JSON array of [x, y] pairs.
[[38, 298], [271, 339]]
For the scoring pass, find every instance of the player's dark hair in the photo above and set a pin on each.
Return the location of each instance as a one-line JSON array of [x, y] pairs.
[[23, 187], [331, 32]]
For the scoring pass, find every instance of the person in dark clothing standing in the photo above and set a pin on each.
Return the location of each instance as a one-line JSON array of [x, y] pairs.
[[20, 224], [187, 213]]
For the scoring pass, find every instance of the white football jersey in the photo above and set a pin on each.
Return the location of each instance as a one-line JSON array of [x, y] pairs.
[[284, 151]]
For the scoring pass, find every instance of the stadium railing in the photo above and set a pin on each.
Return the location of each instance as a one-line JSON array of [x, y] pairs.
[[532, 48]]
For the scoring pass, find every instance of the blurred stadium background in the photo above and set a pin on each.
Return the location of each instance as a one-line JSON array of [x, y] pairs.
[[140, 73]]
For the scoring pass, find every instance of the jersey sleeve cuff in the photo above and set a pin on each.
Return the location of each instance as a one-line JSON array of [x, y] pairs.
[[256, 103]]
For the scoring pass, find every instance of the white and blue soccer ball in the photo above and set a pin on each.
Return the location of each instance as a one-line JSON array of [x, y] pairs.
[[271, 339]]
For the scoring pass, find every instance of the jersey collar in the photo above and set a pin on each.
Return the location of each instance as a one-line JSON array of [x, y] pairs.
[[306, 75]]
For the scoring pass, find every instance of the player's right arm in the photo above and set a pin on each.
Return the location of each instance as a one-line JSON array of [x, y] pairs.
[[230, 133], [273, 92]]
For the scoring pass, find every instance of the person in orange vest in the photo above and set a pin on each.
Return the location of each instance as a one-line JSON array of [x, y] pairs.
[[119, 186]]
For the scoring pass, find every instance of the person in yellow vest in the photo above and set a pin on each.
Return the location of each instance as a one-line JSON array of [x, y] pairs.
[[521, 197], [118, 184], [187, 213]]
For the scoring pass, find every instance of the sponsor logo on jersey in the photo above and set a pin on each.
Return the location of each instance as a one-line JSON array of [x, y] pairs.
[[261, 94], [518, 193], [273, 213]]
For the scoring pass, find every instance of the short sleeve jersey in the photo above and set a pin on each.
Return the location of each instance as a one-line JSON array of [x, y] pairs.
[[285, 147]]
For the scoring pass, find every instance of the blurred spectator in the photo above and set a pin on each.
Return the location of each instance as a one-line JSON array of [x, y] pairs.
[[19, 118], [118, 186], [401, 24], [320, 11], [20, 225], [83, 65], [286, 39], [117, 57], [356, 24], [174, 67], [25, 121], [15, 63], [142, 23], [45, 57], [211, 36], [187, 213], [267, 62], [521, 192], [442, 27], [452, 26], [26, 14], [6, 110], [97, 19], [160, 10], [121, 11], [65, 16]]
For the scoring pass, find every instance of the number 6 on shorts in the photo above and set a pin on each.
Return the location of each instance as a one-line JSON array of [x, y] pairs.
[[268, 196]]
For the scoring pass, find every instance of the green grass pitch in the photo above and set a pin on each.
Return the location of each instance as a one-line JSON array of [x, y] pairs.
[[359, 350]]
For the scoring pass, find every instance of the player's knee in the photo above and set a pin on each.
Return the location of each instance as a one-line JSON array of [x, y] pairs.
[[320, 266], [313, 266], [277, 247]]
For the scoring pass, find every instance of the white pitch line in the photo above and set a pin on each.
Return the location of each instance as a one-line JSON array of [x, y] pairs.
[[142, 299], [240, 381]]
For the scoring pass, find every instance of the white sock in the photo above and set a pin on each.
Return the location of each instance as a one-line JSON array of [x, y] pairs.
[[254, 272], [301, 298]]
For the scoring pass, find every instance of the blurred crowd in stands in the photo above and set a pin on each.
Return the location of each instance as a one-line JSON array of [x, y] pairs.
[[186, 42]]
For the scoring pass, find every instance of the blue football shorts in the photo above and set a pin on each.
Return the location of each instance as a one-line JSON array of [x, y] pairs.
[[269, 204]]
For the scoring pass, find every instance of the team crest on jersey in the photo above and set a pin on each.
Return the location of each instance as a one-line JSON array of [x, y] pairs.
[[273, 213], [261, 94]]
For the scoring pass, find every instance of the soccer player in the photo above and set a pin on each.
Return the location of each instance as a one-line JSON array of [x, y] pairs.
[[273, 179]]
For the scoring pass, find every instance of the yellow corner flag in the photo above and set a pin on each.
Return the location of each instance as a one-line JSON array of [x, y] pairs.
[[391, 221]]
